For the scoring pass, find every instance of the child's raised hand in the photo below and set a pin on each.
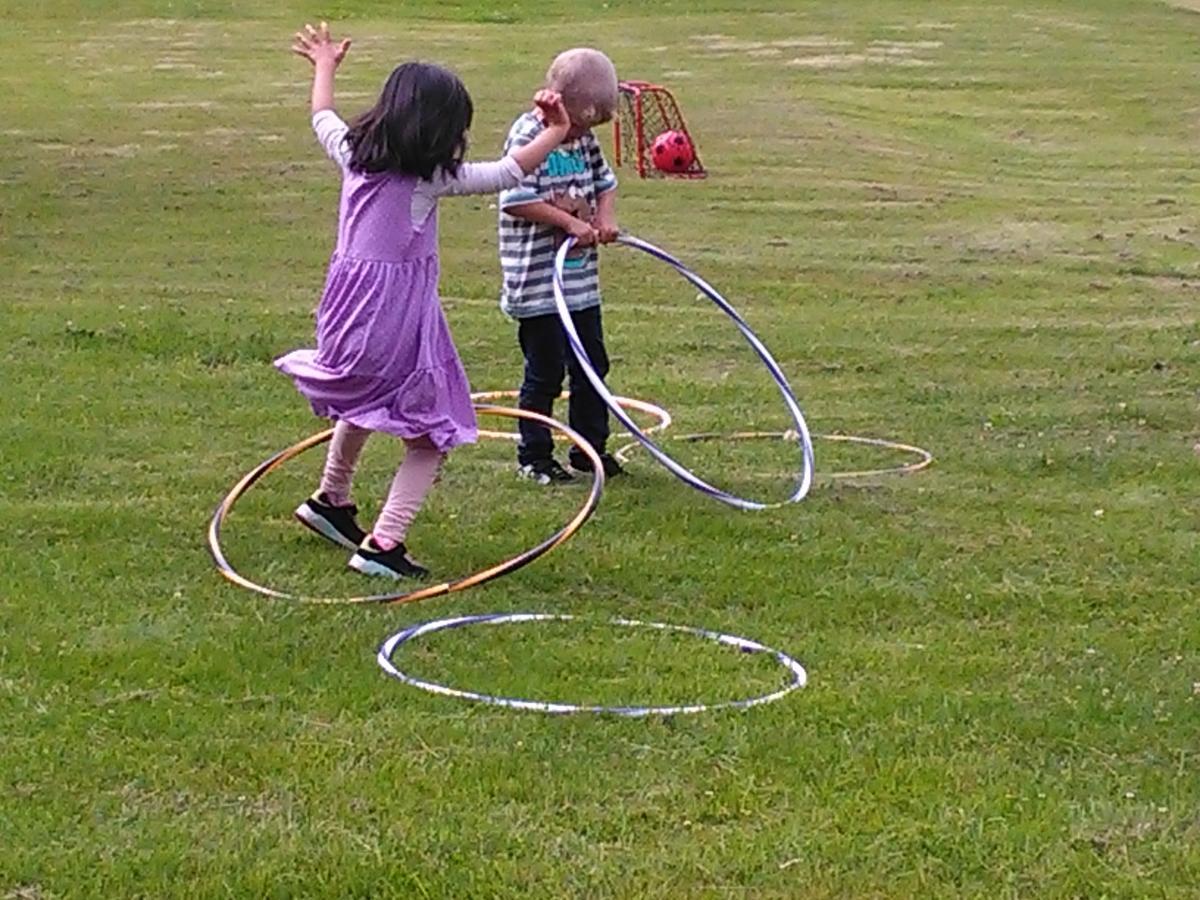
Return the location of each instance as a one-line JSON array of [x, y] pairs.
[[316, 45], [554, 113]]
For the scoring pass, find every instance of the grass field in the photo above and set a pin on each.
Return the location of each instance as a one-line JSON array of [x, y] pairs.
[[968, 226]]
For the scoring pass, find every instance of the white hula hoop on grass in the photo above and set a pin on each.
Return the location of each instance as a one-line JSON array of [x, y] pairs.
[[797, 676], [683, 474]]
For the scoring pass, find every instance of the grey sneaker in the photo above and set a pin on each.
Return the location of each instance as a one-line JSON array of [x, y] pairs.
[[545, 471]]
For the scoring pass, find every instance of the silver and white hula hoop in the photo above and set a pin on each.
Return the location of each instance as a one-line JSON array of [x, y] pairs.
[[683, 474], [797, 677]]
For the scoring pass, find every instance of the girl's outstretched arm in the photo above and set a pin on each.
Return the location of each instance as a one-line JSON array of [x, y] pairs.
[[316, 45], [489, 177], [557, 122]]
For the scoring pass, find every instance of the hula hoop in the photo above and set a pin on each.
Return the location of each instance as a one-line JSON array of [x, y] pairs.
[[424, 593], [797, 680], [924, 457], [684, 475], [663, 423]]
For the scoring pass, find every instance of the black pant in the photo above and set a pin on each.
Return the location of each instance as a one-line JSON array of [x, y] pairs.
[[547, 354]]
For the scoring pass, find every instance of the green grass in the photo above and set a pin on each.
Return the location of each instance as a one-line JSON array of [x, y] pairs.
[[982, 240]]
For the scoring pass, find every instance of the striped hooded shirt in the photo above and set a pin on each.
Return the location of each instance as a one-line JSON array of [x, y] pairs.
[[571, 178]]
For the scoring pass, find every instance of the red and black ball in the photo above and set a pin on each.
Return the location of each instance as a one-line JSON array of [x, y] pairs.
[[672, 151]]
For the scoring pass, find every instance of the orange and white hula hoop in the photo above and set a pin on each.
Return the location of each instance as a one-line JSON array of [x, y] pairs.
[[923, 460], [422, 593], [628, 403]]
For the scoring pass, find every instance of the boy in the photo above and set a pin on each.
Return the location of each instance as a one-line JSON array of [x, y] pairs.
[[572, 193]]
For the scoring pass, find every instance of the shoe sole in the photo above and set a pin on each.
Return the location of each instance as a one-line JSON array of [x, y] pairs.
[[316, 522], [370, 567], [544, 480]]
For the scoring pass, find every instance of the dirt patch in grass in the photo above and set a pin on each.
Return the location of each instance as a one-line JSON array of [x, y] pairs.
[[1055, 22], [723, 43], [848, 60]]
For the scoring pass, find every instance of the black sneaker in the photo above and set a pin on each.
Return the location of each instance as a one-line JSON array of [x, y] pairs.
[[612, 468], [545, 471], [394, 563], [336, 523]]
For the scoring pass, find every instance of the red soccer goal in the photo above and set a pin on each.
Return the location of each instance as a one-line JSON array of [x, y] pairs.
[[646, 112]]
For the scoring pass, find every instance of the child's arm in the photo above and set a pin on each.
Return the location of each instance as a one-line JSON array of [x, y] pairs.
[[605, 220], [533, 210], [489, 177], [544, 214], [315, 45], [557, 124], [318, 48], [606, 217]]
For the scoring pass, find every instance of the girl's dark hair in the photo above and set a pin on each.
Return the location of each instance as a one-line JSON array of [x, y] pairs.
[[419, 124]]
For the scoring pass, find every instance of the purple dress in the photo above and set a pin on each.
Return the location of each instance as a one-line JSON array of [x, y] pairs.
[[385, 359]]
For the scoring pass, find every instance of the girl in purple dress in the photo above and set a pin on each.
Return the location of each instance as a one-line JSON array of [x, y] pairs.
[[384, 359]]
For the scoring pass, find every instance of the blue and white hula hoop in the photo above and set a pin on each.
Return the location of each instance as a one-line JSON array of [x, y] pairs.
[[797, 676], [684, 475]]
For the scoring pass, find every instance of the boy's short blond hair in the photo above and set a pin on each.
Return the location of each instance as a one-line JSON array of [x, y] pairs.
[[587, 80]]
